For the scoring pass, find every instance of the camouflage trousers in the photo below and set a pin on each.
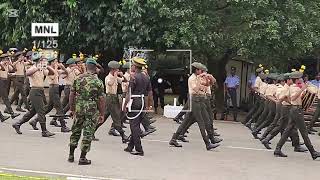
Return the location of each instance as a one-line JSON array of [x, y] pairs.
[[87, 123]]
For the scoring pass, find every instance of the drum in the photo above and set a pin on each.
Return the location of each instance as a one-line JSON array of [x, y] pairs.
[[309, 97]]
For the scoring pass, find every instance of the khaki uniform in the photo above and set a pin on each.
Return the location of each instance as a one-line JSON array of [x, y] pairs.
[[271, 109], [284, 119], [198, 112], [73, 73], [37, 99], [112, 103], [19, 83], [4, 83], [258, 100], [296, 119]]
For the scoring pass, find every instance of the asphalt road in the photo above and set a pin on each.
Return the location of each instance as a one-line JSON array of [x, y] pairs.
[[239, 157]]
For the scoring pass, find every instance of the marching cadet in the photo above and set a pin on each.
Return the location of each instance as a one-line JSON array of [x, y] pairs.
[[112, 100], [5, 68], [54, 97], [262, 101], [19, 65], [197, 94], [36, 77], [87, 105], [296, 117], [125, 86], [316, 115], [72, 72], [282, 122], [207, 112], [2, 117], [255, 88], [26, 87], [139, 87], [270, 97], [231, 84], [280, 87]]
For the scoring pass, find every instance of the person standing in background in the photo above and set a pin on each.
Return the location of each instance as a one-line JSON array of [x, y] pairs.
[[231, 84]]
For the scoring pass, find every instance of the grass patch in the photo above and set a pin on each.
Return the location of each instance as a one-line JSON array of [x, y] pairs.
[[5, 176]]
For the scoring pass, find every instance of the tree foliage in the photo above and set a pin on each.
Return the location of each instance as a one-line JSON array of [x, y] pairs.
[[260, 30]]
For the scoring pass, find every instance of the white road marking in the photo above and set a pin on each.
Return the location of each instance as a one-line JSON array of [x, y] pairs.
[[231, 147], [69, 176], [246, 148]]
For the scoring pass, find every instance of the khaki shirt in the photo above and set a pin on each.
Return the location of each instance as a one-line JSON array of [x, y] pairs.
[[73, 73], [278, 91], [293, 90], [263, 87], [125, 85], [258, 83], [111, 83], [195, 87], [4, 73], [37, 79], [284, 93], [271, 90]]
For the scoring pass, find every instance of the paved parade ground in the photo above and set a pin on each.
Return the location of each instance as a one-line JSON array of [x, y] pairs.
[[239, 156]]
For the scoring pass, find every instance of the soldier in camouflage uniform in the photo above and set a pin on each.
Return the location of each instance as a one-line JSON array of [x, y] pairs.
[[87, 104]]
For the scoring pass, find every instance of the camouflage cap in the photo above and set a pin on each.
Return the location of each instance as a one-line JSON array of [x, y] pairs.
[[296, 75], [91, 61], [19, 53], [71, 61], [286, 75], [114, 65]]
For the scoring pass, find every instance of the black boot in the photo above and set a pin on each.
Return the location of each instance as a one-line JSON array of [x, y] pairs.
[[212, 146], [14, 115], [71, 153], [124, 138], [265, 142], [174, 142], [64, 127], [278, 153], [20, 109], [45, 132], [182, 138], [148, 131], [215, 116], [216, 134], [54, 123], [16, 126], [215, 140], [83, 160], [34, 125], [3, 118], [7, 111], [315, 155], [300, 149], [255, 134], [113, 132]]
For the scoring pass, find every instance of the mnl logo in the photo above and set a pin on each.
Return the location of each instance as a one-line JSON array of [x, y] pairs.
[[45, 29]]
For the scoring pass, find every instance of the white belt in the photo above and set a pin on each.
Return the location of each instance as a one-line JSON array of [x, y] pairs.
[[136, 96]]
